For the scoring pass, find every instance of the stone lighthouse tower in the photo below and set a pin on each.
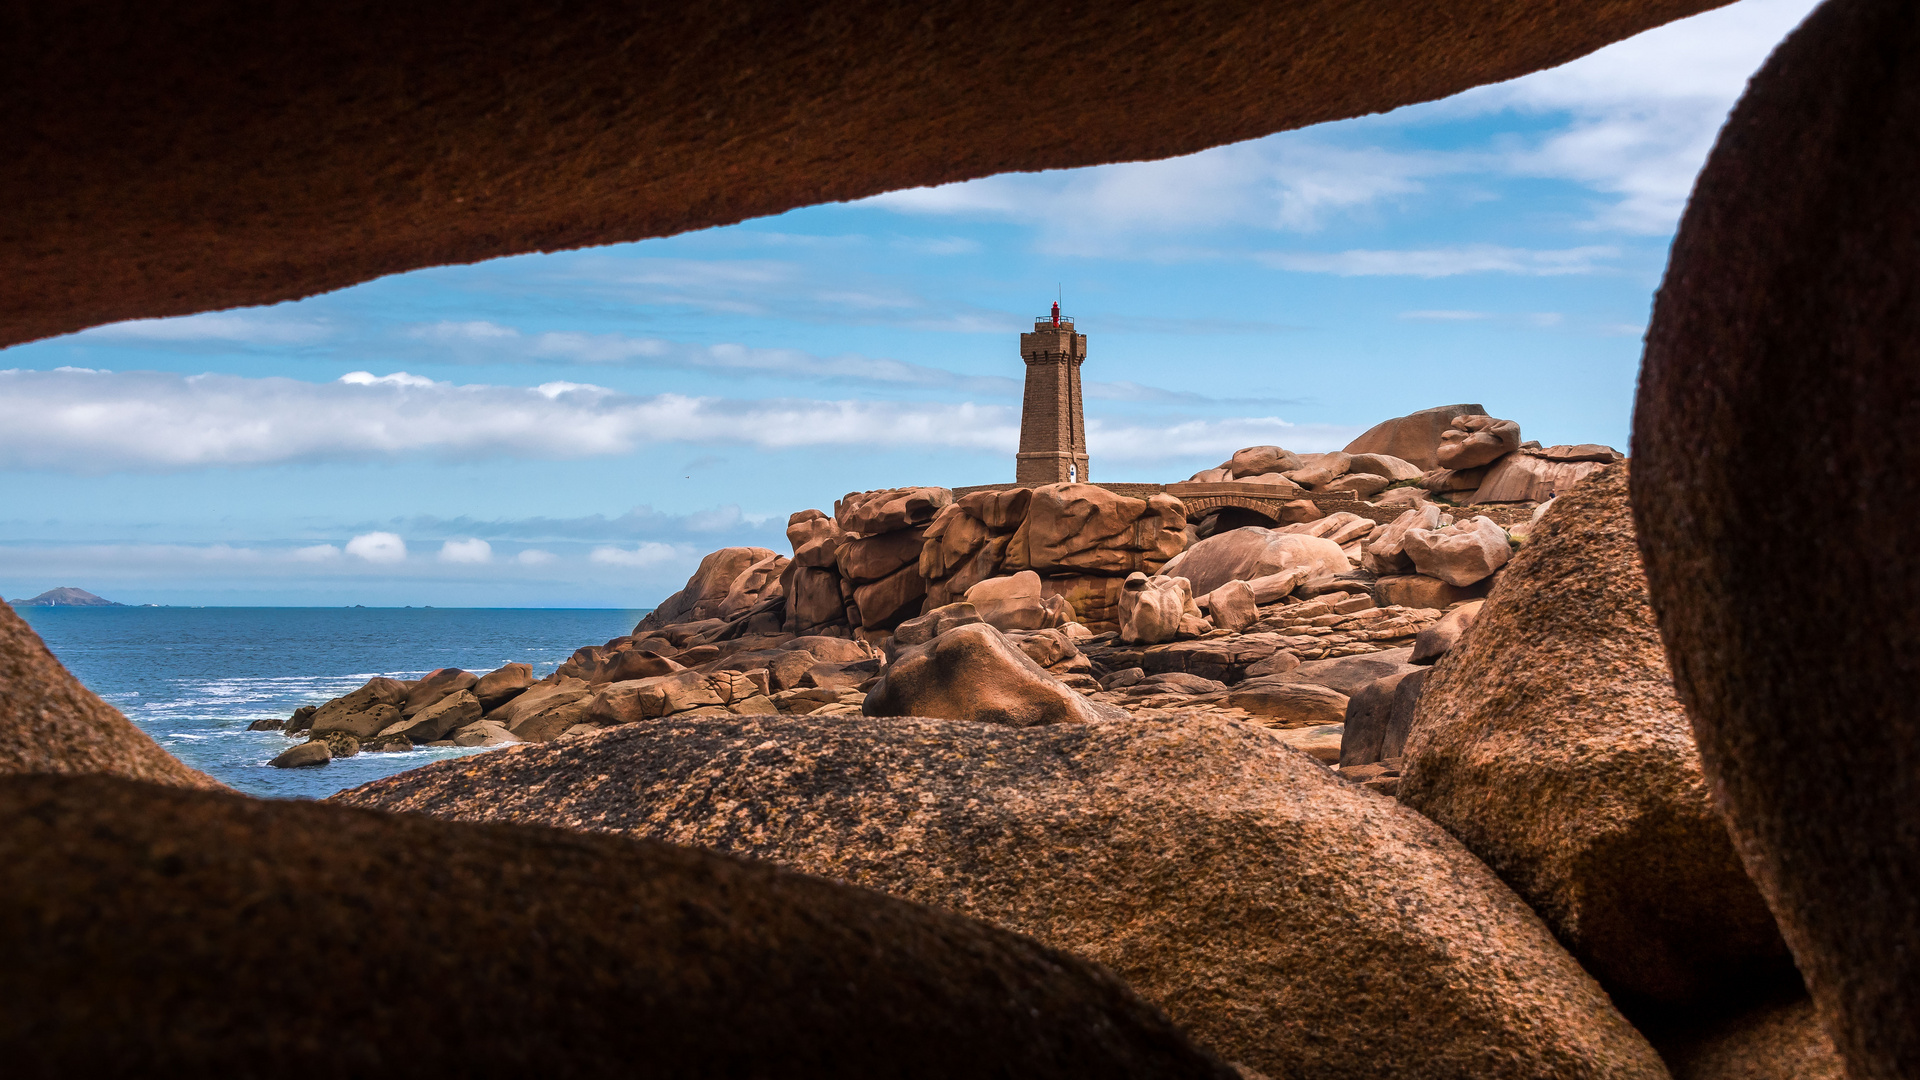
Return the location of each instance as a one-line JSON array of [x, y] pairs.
[[1053, 437]]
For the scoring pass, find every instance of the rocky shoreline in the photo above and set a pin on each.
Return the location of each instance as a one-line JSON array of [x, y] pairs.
[[1138, 737]]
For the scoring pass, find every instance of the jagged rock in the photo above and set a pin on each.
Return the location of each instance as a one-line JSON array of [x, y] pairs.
[[1233, 606], [1080, 528], [49, 723], [1253, 552], [756, 585], [267, 723], [503, 684], [1379, 717], [1551, 743], [885, 604], [1527, 477], [872, 558], [815, 539], [1412, 438], [301, 720], [974, 673], [1094, 599], [1387, 554], [1437, 640], [545, 696], [1474, 441], [305, 755], [814, 600], [1461, 554], [456, 710], [870, 513], [705, 594], [1296, 924], [131, 919], [1151, 608], [435, 685]]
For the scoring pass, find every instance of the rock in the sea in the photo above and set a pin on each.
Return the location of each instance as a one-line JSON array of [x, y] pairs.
[[1473, 441], [545, 696], [1151, 608], [485, 733], [503, 684], [363, 712], [1461, 554], [158, 932], [1252, 552], [305, 755], [1437, 640], [974, 673], [436, 721], [1297, 925], [1552, 744], [434, 686], [1412, 438]]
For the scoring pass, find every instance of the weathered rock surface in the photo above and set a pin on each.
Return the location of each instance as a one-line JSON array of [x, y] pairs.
[[1421, 591], [179, 933], [49, 723], [503, 684], [1081, 529], [305, 755], [1773, 436], [435, 685], [1232, 606], [1464, 553], [1249, 553], [1151, 608], [974, 673], [1530, 476], [1295, 924], [1551, 743], [705, 594], [1412, 438], [1255, 460], [436, 721], [1281, 702], [1349, 674], [1387, 554], [1473, 441], [1774, 1042], [1379, 716], [1437, 640]]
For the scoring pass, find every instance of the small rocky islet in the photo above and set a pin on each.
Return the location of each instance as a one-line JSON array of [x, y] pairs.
[[1403, 778]]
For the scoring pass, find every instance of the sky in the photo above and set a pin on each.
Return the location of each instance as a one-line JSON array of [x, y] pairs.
[[576, 429]]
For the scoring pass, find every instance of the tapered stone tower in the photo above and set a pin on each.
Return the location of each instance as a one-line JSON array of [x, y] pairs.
[[1053, 436]]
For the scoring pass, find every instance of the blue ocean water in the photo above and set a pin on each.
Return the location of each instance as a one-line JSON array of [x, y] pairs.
[[194, 678]]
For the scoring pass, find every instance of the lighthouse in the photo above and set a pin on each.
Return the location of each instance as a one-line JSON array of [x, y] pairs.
[[1053, 435]]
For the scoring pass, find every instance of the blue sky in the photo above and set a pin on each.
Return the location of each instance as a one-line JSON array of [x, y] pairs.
[[576, 429]]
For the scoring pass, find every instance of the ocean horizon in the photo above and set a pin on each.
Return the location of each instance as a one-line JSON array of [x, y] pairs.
[[193, 678]]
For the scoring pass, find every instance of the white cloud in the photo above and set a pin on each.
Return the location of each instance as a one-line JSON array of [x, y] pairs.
[[1444, 262], [398, 378], [378, 547], [243, 329], [648, 554], [315, 553], [534, 557], [466, 551]]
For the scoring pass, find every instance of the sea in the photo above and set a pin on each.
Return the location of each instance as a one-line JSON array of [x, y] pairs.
[[194, 678]]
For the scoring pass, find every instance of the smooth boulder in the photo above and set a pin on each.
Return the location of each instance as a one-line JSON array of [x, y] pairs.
[[974, 673], [1151, 608], [1464, 553], [161, 932], [503, 684], [1253, 552], [1473, 441], [1297, 925], [1551, 743], [1412, 438]]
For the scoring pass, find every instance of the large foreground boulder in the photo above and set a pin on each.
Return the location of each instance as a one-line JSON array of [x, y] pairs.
[[49, 723], [180, 933], [1296, 924], [1551, 743], [1776, 478]]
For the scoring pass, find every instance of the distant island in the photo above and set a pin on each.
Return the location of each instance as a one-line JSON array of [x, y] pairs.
[[65, 597]]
